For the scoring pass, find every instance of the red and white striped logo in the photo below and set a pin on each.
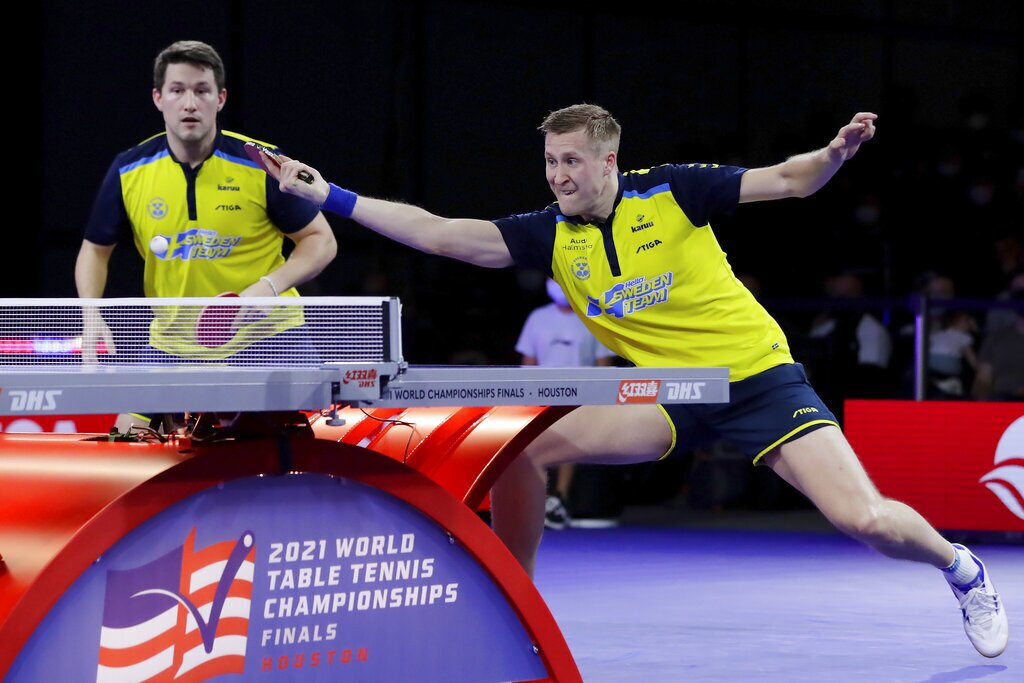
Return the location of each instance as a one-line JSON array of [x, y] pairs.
[[181, 617]]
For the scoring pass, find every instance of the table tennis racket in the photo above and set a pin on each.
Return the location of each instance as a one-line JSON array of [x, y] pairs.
[[217, 325], [253, 149]]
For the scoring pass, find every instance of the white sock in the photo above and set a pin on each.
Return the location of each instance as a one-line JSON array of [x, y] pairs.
[[964, 572]]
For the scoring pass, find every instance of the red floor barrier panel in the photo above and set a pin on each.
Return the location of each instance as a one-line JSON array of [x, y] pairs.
[[960, 464]]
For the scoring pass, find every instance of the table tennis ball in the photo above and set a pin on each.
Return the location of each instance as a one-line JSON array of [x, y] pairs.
[[158, 245]]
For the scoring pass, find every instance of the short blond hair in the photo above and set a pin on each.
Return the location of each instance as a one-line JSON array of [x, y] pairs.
[[597, 122]]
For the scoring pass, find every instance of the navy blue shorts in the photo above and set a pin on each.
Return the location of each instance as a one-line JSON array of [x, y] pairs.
[[764, 411]]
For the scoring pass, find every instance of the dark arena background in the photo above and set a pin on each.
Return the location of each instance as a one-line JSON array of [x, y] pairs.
[[701, 568]]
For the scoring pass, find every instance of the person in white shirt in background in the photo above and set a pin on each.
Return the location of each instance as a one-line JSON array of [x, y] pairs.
[[951, 357], [554, 336]]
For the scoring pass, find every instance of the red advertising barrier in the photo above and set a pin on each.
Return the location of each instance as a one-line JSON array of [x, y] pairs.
[[959, 464], [61, 424]]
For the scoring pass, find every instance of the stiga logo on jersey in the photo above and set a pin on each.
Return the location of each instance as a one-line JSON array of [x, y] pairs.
[[33, 400], [632, 296], [638, 391], [181, 617], [366, 378], [201, 244], [1006, 481]]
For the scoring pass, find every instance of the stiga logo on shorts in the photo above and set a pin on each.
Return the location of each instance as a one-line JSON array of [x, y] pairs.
[[632, 296], [639, 391], [804, 411]]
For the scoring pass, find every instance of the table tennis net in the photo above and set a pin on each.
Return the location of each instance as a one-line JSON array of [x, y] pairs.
[[261, 332]]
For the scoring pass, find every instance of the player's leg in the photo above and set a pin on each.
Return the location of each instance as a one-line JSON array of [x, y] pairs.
[[823, 466], [589, 434], [556, 510]]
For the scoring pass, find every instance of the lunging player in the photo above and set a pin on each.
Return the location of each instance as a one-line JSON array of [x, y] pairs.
[[637, 259]]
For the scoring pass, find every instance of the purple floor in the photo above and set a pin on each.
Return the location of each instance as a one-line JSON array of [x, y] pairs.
[[661, 605]]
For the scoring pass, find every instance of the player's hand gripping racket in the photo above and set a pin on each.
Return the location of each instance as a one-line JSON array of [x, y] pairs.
[[217, 325], [253, 149]]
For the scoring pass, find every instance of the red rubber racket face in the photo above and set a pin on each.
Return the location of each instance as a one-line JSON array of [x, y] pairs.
[[217, 325], [253, 149]]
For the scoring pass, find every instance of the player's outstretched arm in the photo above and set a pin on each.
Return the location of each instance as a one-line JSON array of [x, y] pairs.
[[474, 241], [805, 174]]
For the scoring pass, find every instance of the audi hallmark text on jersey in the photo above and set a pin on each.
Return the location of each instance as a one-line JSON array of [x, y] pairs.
[[33, 400]]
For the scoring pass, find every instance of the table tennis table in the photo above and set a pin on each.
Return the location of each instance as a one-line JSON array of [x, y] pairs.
[[336, 532]]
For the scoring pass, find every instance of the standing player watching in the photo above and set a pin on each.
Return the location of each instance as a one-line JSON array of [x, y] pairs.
[[203, 217], [554, 336], [636, 257]]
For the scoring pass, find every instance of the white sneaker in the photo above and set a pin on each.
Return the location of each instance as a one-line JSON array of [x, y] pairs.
[[983, 612]]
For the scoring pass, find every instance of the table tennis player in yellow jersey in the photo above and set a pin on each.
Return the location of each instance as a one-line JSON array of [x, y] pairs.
[[202, 215], [636, 256]]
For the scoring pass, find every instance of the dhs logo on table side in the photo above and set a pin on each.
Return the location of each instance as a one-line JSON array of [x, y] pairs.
[[647, 391], [366, 378], [33, 400], [638, 391]]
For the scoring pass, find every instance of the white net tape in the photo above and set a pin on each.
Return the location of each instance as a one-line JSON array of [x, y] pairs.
[[250, 332]]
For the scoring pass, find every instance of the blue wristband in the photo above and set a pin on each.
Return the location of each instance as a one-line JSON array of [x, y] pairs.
[[340, 201]]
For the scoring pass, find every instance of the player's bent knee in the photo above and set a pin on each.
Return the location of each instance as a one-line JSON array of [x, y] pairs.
[[873, 525]]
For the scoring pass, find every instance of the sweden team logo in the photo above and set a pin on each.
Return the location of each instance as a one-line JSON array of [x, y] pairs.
[[633, 296], [581, 268], [157, 208]]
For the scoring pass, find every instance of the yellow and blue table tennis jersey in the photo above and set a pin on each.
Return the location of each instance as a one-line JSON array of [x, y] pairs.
[[224, 222], [652, 282]]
